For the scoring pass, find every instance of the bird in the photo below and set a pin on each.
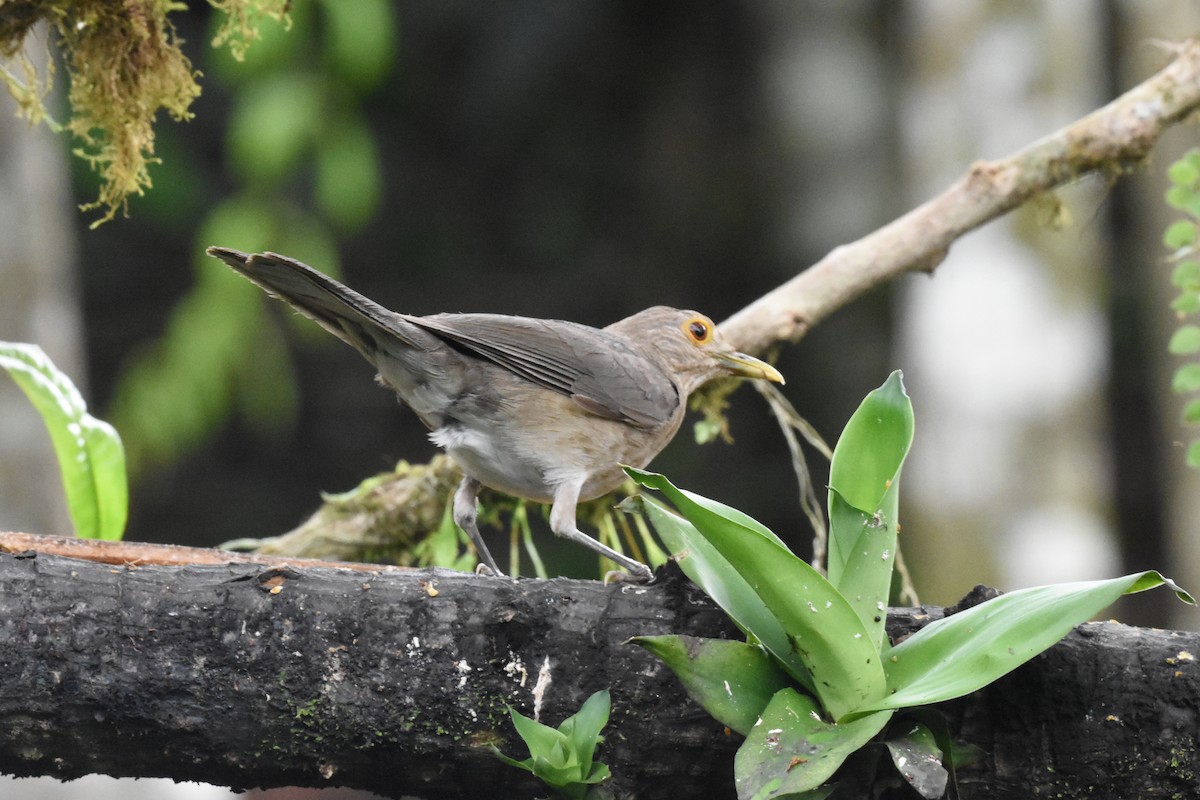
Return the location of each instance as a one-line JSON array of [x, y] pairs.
[[546, 410]]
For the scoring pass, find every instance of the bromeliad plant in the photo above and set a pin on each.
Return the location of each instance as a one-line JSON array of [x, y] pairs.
[[817, 678], [564, 757]]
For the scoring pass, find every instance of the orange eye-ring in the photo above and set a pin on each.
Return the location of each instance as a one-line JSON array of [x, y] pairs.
[[698, 329]]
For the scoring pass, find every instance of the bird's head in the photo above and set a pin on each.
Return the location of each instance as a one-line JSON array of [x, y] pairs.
[[691, 347]]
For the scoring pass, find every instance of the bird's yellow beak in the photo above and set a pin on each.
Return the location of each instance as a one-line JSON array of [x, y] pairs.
[[744, 366]]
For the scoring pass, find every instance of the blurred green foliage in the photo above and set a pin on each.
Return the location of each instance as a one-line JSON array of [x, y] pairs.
[[1181, 238], [305, 163]]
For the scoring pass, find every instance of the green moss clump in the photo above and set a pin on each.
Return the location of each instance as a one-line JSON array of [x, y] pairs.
[[124, 64]]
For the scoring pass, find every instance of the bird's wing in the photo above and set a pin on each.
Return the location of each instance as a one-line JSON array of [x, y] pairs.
[[597, 369]]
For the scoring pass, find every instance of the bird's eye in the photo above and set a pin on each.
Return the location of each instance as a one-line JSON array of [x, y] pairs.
[[698, 330]]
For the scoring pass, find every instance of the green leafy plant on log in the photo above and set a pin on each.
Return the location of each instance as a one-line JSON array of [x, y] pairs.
[[817, 678]]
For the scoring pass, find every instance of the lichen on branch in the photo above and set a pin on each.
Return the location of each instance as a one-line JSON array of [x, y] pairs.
[[124, 64]]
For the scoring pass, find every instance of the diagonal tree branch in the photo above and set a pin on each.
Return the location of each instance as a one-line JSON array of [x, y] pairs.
[[1108, 141]]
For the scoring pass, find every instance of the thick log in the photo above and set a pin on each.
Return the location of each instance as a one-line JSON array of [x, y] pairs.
[[248, 675]]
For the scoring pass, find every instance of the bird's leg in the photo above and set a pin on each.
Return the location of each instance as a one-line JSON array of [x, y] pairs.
[[562, 522], [464, 517]]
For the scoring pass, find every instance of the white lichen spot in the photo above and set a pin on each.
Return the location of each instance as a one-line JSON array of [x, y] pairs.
[[540, 688], [900, 762], [515, 667], [1184, 655], [464, 669]]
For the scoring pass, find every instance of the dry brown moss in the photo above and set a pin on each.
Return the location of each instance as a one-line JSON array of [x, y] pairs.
[[124, 64]]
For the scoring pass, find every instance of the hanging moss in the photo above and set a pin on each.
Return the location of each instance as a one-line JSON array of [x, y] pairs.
[[124, 64]]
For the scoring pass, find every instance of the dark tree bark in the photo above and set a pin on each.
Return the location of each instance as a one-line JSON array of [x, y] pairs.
[[395, 682]]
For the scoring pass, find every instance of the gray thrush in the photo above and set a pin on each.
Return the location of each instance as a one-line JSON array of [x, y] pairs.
[[541, 409]]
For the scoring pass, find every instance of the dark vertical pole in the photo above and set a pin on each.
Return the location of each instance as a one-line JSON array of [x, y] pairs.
[[1139, 492]]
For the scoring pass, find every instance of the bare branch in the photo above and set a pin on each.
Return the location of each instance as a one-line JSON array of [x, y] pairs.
[[1108, 141]]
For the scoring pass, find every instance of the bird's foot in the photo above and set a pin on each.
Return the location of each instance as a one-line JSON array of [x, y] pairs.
[[636, 576], [488, 572]]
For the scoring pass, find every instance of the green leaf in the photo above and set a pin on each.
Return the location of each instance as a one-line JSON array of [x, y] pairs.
[[873, 445], [707, 568], [823, 632], [90, 456], [542, 740], [1187, 302], [919, 759], [792, 749], [348, 183], [1183, 172], [864, 501], [1193, 454], [1186, 274], [1185, 341], [584, 729], [273, 124], [1187, 379], [964, 652], [731, 680], [1181, 197], [1181, 233], [359, 40], [1191, 413], [563, 758]]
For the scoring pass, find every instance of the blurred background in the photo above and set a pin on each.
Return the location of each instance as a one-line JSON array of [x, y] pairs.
[[583, 161]]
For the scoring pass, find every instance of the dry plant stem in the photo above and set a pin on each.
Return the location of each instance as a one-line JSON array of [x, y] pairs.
[[790, 421], [1108, 141]]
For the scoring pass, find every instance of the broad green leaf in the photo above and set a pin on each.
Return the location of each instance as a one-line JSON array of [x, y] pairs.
[[968, 650], [822, 630], [90, 456], [919, 759], [731, 513], [864, 501], [866, 572], [713, 573], [793, 749], [1185, 341], [584, 728], [873, 445], [542, 740], [731, 680]]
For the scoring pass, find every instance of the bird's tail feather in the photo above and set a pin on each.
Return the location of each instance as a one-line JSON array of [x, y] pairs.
[[338, 309]]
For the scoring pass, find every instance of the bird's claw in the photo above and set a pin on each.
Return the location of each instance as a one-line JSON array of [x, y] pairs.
[[487, 572], [637, 577]]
